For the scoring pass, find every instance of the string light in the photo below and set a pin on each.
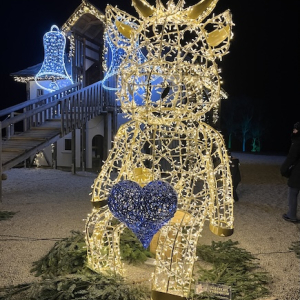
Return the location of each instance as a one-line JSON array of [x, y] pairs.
[[38, 159], [166, 96]]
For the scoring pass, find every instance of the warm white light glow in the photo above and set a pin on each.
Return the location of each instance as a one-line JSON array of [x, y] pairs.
[[166, 97]]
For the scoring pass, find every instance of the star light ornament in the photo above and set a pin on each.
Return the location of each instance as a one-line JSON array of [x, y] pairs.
[[53, 68], [166, 97]]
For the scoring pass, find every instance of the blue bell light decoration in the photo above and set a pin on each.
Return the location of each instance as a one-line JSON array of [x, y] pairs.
[[53, 74]]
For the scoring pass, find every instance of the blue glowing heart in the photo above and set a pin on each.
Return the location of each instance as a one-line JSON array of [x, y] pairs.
[[143, 210]]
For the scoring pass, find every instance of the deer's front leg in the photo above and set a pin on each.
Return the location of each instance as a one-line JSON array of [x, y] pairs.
[[103, 242], [102, 230]]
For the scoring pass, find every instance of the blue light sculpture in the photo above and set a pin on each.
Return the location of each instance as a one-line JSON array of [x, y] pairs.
[[53, 68], [143, 210]]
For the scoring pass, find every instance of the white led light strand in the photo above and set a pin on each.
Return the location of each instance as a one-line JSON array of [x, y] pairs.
[[166, 97]]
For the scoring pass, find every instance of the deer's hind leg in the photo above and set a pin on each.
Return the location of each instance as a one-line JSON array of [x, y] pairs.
[[175, 258]]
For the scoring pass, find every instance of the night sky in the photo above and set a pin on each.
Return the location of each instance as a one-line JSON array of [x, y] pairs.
[[263, 62]]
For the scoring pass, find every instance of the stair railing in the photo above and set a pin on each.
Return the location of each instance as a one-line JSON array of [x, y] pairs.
[[73, 105], [33, 112]]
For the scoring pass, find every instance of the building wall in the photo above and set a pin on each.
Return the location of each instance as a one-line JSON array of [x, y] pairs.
[[101, 125], [64, 157], [34, 91]]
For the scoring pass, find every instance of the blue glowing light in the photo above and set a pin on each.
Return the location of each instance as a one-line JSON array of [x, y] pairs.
[[115, 56], [143, 210], [115, 53], [53, 68]]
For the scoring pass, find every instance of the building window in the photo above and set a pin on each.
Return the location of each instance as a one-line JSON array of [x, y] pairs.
[[39, 92], [68, 144]]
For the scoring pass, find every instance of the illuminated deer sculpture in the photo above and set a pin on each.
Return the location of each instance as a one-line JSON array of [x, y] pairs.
[[168, 81]]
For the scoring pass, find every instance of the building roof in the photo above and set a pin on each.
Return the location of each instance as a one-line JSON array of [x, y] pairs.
[[28, 72], [87, 20]]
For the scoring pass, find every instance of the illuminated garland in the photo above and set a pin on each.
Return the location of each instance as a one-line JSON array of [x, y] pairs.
[[166, 96], [84, 8], [23, 79]]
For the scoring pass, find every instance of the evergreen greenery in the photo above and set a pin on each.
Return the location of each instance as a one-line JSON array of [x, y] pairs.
[[234, 267], [132, 250], [64, 275], [67, 256], [296, 248], [81, 287], [5, 215]]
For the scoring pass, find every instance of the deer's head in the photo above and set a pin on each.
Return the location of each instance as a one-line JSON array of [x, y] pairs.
[[169, 71]]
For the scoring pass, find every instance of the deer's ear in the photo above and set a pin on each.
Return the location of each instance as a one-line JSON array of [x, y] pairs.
[[143, 8], [218, 39], [202, 9], [124, 29]]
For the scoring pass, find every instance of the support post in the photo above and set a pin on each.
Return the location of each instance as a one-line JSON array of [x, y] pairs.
[[54, 155], [73, 147], [0, 162], [83, 147], [105, 139]]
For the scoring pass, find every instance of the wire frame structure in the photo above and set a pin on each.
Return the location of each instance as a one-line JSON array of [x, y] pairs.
[[166, 95]]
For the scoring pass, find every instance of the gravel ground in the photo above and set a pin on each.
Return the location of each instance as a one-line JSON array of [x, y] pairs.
[[49, 204]]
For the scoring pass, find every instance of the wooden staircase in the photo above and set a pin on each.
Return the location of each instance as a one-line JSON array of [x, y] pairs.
[[25, 144], [46, 119]]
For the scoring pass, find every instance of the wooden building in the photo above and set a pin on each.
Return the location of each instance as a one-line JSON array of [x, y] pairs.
[[87, 145]]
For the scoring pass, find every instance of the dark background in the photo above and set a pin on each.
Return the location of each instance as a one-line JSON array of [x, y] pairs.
[[263, 63]]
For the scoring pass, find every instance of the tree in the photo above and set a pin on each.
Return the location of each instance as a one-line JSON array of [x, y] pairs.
[[243, 117], [245, 126], [228, 123], [258, 129]]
